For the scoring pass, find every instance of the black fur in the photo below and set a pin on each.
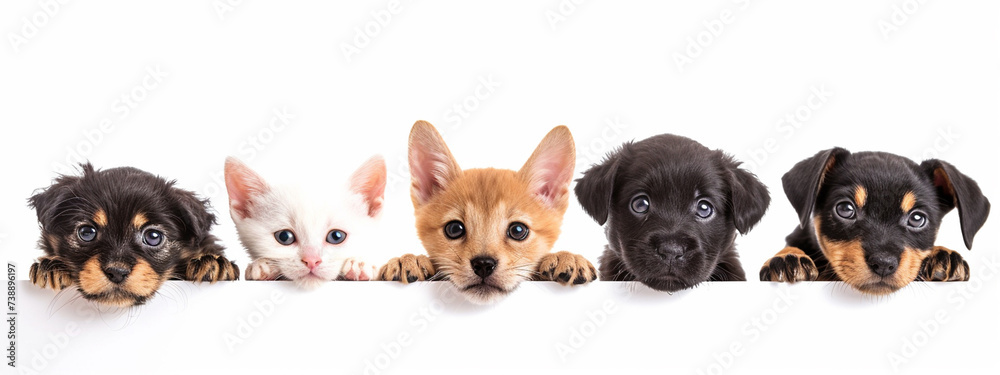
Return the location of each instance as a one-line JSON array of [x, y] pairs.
[[816, 186], [122, 193], [669, 248]]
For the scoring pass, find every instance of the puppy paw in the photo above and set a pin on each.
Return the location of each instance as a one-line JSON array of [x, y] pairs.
[[357, 270], [261, 269], [211, 268], [789, 265], [407, 269], [566, 268], [944, 264], [50, 272]]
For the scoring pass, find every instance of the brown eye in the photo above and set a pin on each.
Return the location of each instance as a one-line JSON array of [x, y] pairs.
[[517, 231], [454, 229]]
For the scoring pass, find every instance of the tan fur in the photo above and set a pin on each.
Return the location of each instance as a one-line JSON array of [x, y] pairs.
[[950, 267], [92, 279], [100, 218], [801, 268], [847, 258], [909, 200], [860, 196], [50, 272], [143, 280], [941, 180], [139, 220]]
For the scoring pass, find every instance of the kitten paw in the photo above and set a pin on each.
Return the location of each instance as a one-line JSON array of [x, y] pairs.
[[407, 269], [789, 265], [566, 268], [211, 268], [261, 269], [357, 270], [944, 264], [50, 272]]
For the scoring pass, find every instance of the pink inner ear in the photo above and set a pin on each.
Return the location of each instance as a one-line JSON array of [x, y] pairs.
[[431, 164], [369, 181], [550, 174], [243, 185]]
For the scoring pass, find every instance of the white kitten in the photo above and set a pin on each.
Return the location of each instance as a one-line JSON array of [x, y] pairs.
[[307, 235]]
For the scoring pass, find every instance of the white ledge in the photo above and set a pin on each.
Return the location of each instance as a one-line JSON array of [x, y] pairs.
[[384, 328]]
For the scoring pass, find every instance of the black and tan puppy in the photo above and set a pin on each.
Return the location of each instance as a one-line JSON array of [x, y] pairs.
[[870, 219], [672, 208], [118, 234]]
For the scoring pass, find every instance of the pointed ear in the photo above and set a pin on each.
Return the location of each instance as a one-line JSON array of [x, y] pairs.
[[803, 182], [594, 190], [749, 197], [955, 189], [549, 170], [431, 165], [369, 182], [243, 185]]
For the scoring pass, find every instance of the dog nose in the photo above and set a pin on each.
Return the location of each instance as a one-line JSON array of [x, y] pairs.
[[311, 262], [483, 266], [670, 251], [117, 275], [883, 264]]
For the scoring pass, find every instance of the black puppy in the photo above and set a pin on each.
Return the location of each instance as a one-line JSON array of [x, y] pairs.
[[870, 219], [673, 208], [118, 234]]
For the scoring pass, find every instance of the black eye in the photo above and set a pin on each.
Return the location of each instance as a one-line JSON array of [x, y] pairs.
[[640, 204], [917, 220], [336, 236], [517, 231], [284, 237], [152, 237], [704, 209], [454, 229], [87, 233], [845, 210]]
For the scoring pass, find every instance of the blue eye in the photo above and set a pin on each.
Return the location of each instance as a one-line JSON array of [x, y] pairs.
[[704, 209], [336, 236], [284, 237], [640, 204], [152, 237], [917, 220], [845, 210], [87, 233]]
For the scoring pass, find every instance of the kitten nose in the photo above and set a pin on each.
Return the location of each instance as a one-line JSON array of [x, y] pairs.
[[311, 261], [483, 266], [883, 264], [117, 275]]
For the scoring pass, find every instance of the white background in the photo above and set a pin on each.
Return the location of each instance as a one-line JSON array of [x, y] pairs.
[[919, 80]]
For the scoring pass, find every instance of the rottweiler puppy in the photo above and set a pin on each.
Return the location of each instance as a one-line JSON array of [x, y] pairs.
[[118, 234], [870, 219], [672, 208]]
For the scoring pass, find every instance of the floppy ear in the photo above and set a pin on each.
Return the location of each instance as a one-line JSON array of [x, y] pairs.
[[369, 182], [243, 185], [594, 189], [749, 199], [431, 165], [197, 220], [955, 189], [47, 201], [549, 170], [803, 181]]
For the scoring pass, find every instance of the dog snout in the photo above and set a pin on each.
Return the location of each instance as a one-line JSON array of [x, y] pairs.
[[672, 248], [883, 264], [116, 274], [483, 266]]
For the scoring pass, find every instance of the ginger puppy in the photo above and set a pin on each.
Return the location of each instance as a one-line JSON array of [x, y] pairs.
[[487, 230]]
